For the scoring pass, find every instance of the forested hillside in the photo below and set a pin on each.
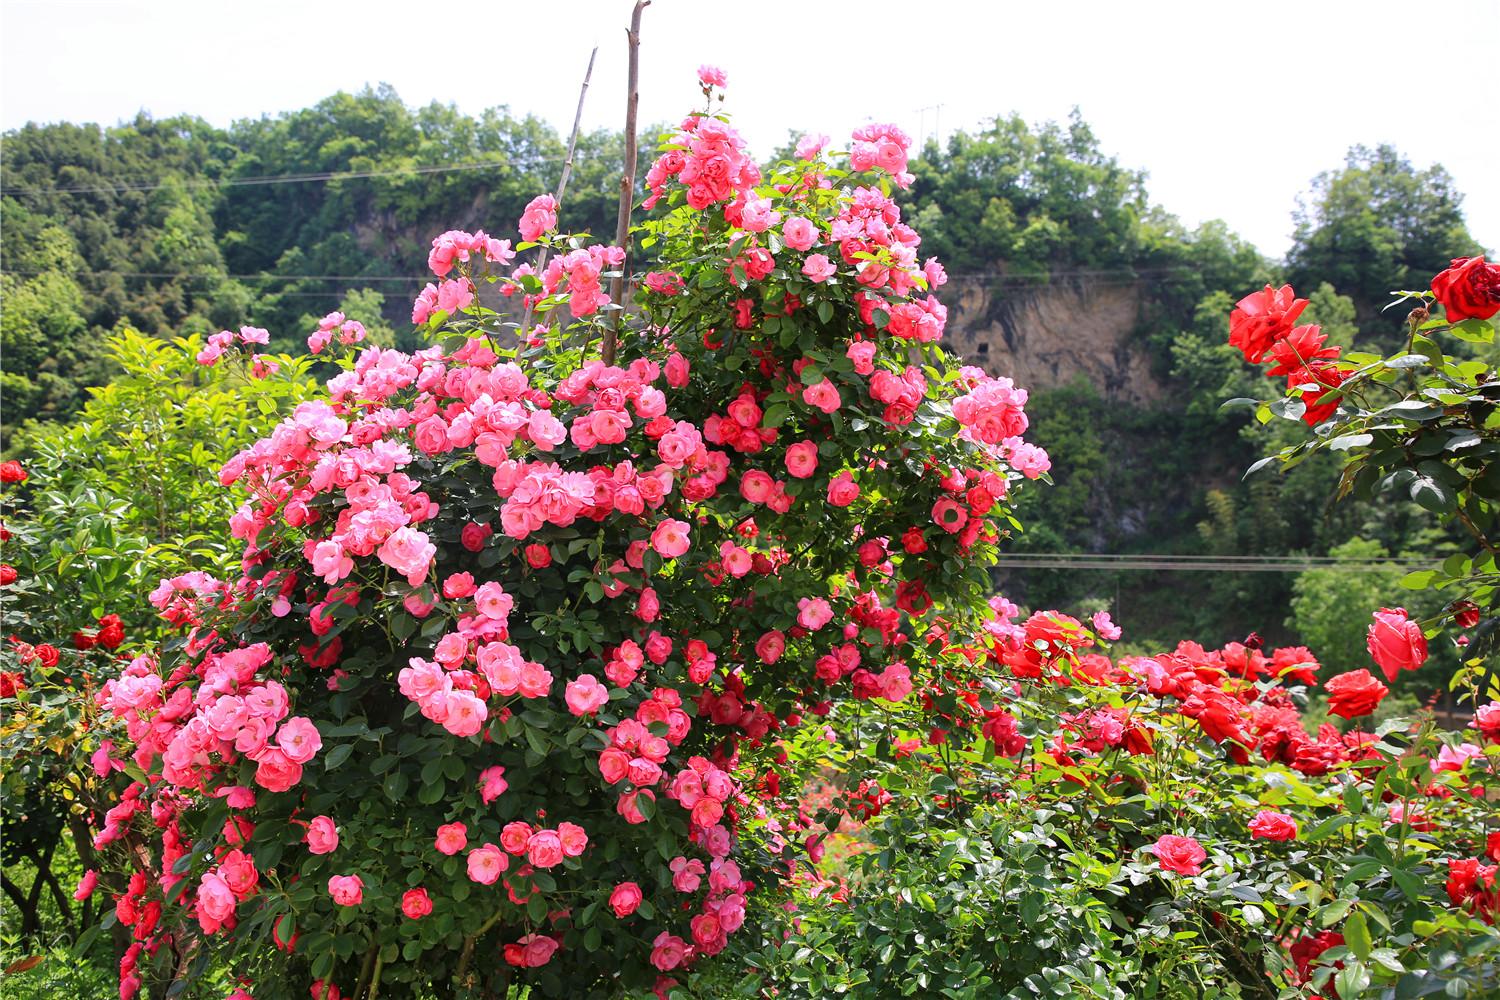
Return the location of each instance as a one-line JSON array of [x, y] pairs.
[[1062, 270]]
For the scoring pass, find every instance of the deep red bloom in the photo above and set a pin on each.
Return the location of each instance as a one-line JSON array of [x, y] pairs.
[[12, 472], [1262, 318], [1354, 694], [1469, 289]]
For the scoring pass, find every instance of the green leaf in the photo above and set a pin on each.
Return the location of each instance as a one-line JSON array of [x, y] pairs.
[[1357, 935], [1433, 495], [1475, 331], [337, 755], [1346, 441]]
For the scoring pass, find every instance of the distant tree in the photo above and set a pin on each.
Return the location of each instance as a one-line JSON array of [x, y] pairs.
[[1376, 224]]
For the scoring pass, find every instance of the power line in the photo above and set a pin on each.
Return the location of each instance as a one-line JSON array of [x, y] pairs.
[[1109, 561], [271, 179]]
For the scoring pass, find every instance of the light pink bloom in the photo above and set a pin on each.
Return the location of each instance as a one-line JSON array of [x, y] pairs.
[[322, 835], [585, 695], [818, 267]]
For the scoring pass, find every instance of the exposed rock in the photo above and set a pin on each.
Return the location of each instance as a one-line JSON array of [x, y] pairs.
[[1049, 335]]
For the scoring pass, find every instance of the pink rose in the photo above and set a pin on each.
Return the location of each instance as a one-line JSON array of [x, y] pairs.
[[802, 459], [670, 539], [408, 552], [1395, 642], [1269, 825], [537, 950], [544, 849], [275, 772], [486, 864], [813, 613], [799, 233], [574, 840], [299, 739], [492, 784], [86, 885], [614, 763], [585, 695], [322, 835], [514, 837], [712, 76], [346, 890], [452, 838], [539, 216], [756, 486], [668, 951], [823, 396], [625, 899], [216, 902], [862, 353], [818, 267], [770, 646], [1183, 855], [842, 490]]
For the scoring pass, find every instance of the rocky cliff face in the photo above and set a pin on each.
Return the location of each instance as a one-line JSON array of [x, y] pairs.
[[1053, 334]]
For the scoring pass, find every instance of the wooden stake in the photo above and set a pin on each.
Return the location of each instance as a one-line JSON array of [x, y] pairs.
[[567, 171], [627, 182]]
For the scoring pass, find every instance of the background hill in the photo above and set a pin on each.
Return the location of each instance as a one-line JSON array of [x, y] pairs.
[[1064, 276]]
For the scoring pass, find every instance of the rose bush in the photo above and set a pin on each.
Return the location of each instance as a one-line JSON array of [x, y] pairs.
[[1043, 819], [495, 696], [1421, 424]]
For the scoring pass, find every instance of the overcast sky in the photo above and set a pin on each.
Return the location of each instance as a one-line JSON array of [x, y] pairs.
[[1230, 107]]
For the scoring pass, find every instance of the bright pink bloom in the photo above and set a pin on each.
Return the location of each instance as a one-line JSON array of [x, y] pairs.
[[625, 899], [842, 490], [818, 267], [486, 864], [670, 539], [712, 76], [799, 233], [1271, 825], [585, 695], [346, 890], [539, 216], [802, 459], [452, 838], [1183, 855], [1395, 642], [322, 835]]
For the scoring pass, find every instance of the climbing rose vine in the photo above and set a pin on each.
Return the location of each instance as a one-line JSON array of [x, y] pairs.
[[497, 696]]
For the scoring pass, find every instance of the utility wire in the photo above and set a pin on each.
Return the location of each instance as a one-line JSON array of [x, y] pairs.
[[272, 179]]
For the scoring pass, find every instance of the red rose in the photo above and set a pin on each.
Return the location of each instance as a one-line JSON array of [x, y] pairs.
[[538, 556], [1395, 642], [12, 472], [1269, 825], [111, 636], [11, 682], [1179, 854], [7, 574], [1262, 318], [47, 655], [1470, 289], [83, 641], [415, 904], [1354, 694]]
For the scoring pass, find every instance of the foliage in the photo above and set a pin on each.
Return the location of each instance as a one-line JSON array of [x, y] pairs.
[[1017, 846], [109, 504], [1379, 223], [1420, 425]]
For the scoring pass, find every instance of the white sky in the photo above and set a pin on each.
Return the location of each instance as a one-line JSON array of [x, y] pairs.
[[1230, 107]]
